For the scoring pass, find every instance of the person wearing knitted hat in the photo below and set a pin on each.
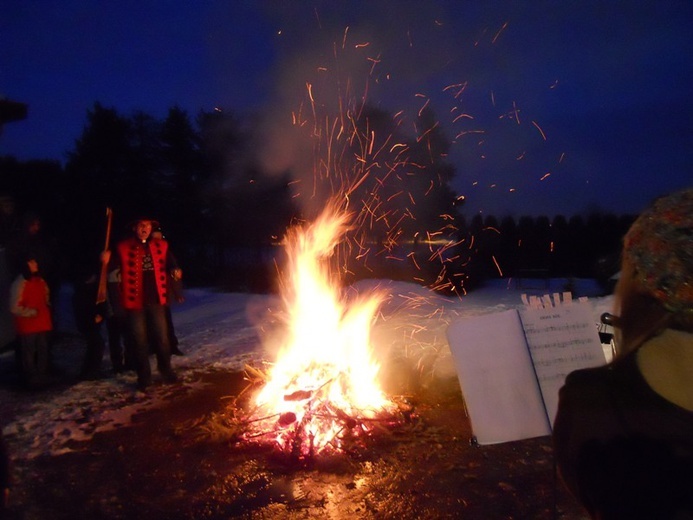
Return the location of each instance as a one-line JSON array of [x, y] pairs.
[[623, 433]]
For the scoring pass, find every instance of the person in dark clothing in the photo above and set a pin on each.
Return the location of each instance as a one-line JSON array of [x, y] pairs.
[[9, 224], [9, 221], [175, 285], [146, 264], [119, 345], [623, 433], [89, 319]]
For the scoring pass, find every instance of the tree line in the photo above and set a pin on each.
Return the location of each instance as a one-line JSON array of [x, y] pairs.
[[196, 179], [224, 217]]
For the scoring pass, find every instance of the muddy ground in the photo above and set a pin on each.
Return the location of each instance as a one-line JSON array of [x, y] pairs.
[[164, 466]]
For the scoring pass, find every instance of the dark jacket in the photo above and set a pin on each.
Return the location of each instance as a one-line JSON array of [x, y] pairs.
[[622, 449]]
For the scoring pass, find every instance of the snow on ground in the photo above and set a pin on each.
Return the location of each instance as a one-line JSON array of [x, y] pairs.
[[220, 330]]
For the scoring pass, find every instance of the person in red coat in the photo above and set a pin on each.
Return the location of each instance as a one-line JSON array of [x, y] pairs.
[[146, 265], [30, 307]]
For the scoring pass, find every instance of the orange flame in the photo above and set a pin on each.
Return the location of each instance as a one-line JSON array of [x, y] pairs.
[[325, 371]]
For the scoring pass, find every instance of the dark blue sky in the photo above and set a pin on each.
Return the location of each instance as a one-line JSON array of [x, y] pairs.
[[607, 83]]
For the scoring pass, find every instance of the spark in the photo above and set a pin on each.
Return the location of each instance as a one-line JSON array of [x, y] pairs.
[[462, 116], [516, 112], [422, 136], [374, 63], [459, 89], [543, 135], [500, 271], [413, 259], [499, 32], [466, 132], [395, 195], [428, 100]]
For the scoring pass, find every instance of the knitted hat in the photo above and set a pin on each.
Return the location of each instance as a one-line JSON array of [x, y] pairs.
[[659, 245]]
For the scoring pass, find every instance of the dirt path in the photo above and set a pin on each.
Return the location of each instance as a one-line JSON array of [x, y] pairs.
[[160, 469]]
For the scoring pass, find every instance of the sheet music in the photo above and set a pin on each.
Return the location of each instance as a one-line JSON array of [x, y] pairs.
[[498, 382], [561, 339], [512, 364]]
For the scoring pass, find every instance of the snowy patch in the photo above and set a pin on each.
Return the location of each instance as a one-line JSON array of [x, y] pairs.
[[223, 331]]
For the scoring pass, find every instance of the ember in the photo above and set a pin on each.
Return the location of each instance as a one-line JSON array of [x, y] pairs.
[[323, 389]]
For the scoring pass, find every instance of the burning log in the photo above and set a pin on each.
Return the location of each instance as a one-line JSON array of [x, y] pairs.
[[298, 395], [286, 419], [350, 433], [348, 421]]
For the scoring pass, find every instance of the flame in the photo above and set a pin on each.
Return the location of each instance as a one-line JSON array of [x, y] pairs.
[[325, 379]]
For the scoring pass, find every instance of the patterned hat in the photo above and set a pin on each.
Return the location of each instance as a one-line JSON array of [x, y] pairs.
[[659, 245]]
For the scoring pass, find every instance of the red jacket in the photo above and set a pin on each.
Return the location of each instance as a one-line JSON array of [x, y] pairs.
[[29, 305], [131, 253]]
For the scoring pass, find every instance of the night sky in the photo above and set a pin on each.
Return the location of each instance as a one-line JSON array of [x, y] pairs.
[[582, 107]]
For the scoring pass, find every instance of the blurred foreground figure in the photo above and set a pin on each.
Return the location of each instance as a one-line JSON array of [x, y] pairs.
[[4, 475], [623, 434]]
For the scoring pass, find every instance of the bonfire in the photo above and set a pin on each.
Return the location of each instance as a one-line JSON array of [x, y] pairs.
[[322, 392]]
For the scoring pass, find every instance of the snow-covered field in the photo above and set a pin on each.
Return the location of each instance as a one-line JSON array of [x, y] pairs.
[[223, 331]]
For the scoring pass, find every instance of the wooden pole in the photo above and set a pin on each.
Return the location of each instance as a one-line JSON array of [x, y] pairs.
[[103, 278]]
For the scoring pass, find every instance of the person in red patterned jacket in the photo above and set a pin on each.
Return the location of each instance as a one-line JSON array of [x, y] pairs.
[[146, 265], [30, 307]]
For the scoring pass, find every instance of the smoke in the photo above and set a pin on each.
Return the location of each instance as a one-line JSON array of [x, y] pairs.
[[332, 58]]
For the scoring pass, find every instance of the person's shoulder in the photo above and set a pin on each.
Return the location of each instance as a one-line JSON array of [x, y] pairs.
[[588, 376], [592, 379], [18, 280]]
